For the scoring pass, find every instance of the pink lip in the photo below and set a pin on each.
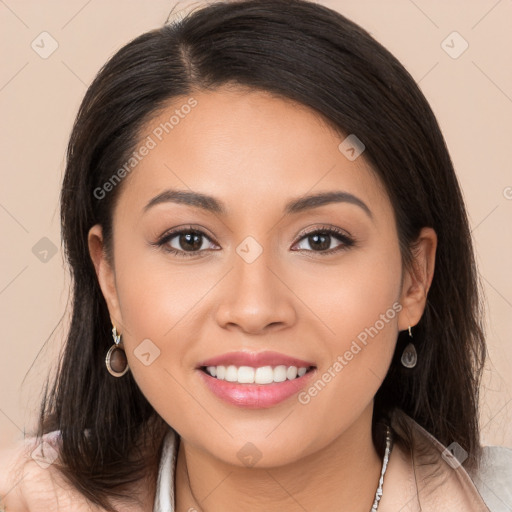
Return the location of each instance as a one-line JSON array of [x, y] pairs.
[[255, 360], [255, 396]]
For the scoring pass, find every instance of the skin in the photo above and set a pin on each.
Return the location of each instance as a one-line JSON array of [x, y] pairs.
[[255, 152]]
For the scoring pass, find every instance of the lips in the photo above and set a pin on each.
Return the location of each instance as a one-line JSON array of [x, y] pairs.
[[276, 378], [255, 396], [255, 360]]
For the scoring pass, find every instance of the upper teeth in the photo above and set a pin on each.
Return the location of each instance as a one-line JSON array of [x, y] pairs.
[[261, 375]]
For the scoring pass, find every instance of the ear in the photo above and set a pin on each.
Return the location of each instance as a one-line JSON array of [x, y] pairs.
[[417, 281], [105, 274]]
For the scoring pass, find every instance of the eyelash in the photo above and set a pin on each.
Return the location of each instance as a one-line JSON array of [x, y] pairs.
[[347, 241]]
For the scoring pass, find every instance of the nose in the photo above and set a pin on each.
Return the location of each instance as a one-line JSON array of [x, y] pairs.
[[256, 297]]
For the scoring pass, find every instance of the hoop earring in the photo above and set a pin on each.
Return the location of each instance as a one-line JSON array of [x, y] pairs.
[[115, 360], [409, 355]]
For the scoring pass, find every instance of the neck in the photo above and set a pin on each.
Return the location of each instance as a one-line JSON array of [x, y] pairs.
[[342, 476]]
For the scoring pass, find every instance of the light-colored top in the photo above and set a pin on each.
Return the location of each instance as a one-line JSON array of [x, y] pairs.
[[494, 480], [491, 486], [426, 479]]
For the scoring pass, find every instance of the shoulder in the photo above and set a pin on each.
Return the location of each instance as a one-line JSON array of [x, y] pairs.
[[9, 468], [493, 478], [30, 482], [442, 478]]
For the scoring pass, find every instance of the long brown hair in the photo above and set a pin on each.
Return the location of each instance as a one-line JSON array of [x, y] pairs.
[[309, 53]]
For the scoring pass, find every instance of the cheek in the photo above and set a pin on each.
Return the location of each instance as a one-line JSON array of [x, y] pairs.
[[361, 315], [351, 294], [159, 301], [155, 290]]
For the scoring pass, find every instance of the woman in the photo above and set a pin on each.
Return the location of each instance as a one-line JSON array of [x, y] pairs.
[[264, 224]]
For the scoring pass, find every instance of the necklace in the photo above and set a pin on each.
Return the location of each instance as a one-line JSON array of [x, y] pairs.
[[389, 446]]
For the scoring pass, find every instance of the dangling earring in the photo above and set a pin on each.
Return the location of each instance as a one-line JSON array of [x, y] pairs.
[[409, 355], [116, 362]]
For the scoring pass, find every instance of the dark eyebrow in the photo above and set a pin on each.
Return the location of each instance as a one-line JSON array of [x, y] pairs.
[[323, 198], [189, 198], [301, 204]]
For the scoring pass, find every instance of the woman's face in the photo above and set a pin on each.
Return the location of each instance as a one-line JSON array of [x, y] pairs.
[[259, 282]]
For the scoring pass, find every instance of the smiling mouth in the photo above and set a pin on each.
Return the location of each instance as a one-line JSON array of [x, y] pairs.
[[259, 375]]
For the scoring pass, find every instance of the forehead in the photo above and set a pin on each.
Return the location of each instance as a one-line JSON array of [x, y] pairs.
[[245, 146]]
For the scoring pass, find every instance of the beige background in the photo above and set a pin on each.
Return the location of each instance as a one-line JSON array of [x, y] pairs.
[[471, 96]]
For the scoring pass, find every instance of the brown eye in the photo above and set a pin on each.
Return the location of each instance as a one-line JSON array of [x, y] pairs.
[[320, 241], [185, 242], [188, 241]]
